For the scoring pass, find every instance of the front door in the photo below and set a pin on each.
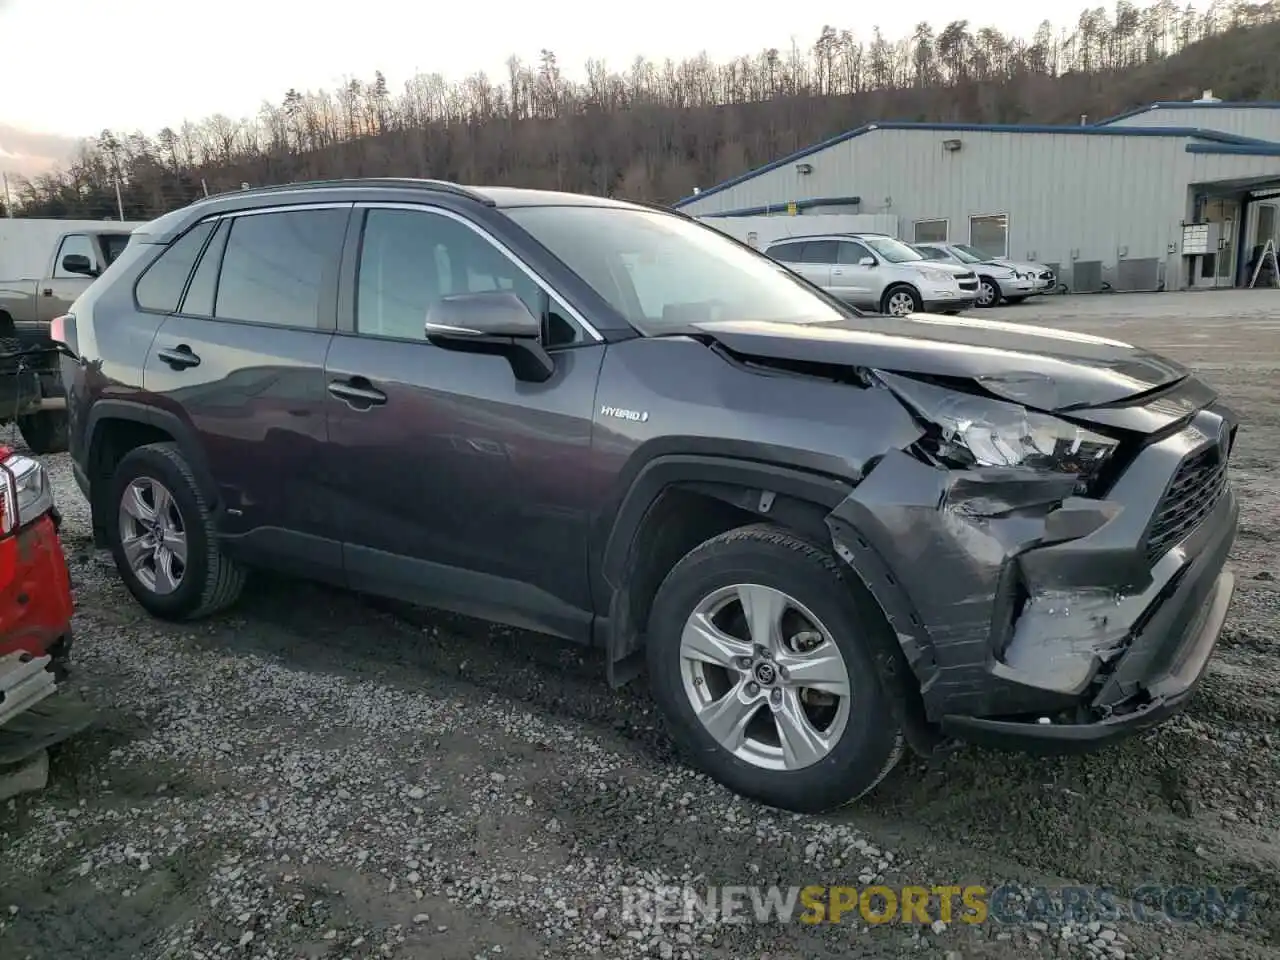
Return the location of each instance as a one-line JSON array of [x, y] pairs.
[[242, 363], [458, 484], [851, 280], [60, 288]]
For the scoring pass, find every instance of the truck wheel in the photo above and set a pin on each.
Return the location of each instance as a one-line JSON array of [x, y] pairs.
[[758, 656], [45, 432], [163, 540]]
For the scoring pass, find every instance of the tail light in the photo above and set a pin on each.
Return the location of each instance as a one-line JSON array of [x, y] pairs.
[[25, 493], [58, 328]]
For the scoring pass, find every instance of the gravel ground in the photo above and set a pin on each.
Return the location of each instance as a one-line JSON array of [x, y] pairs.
[[317, 776]]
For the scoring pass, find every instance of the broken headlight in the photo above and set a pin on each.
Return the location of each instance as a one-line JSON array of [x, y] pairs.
[[964, 430]]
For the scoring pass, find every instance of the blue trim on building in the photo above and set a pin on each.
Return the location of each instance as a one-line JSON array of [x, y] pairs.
[[1239, 149], [1192, 105], [1089, 131], [769, 208]]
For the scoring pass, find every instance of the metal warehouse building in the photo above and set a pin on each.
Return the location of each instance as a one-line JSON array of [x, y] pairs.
[[1171, 196]]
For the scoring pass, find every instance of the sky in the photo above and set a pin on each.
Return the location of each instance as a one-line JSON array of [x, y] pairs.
[[146, 64]]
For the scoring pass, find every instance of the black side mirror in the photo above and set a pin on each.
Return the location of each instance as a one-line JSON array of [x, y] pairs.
[[78, 263], [494, 322]]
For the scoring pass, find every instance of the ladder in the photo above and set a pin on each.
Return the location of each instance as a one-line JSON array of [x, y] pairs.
[[1268, 252]]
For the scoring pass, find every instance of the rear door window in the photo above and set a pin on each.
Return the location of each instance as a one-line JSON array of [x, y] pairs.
[[819, 251], [281, 268], [204, 282], [161, 284]]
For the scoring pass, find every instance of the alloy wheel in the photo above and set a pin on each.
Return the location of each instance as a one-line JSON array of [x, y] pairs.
[[901, 303], [764, 677], [986, 294], [153, 535]]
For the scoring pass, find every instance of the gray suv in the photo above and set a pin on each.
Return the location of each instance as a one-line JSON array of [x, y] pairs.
[[826, 534], [878, 272]]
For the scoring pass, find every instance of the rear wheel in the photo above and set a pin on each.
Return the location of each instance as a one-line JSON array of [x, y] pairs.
[[988, 292], [45, 431], [162, 537], [760, 657], [900, 301]]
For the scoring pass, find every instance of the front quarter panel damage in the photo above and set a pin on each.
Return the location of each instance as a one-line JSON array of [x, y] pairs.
[[1006, 591]]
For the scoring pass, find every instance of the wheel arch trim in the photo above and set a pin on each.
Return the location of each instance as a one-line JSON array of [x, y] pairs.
[[184, 435]]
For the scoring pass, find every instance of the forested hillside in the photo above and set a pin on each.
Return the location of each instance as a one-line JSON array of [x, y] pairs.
[[653, 131]]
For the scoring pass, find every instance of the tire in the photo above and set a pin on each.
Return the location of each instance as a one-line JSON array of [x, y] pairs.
[[894, 301], [988, 293], [862, 749], [45, 432], [208, 582]]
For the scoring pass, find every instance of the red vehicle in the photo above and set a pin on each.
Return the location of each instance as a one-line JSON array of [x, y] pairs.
[[35, 621]]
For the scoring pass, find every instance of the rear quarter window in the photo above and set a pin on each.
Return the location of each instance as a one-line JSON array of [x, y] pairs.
[[160, 287]]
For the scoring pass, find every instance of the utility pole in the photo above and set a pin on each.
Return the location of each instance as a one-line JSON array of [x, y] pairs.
[[8, 203], [119, 202]]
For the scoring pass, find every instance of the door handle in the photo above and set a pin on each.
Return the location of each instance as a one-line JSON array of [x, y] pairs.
[[358, 393], [179, 357]]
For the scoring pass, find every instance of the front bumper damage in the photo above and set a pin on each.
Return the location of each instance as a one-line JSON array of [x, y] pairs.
[[1035, 619]]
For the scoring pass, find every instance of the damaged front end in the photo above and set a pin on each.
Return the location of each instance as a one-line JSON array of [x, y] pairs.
[[1055, 580]]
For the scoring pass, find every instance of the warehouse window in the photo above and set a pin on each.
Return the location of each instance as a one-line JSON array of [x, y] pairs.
[[990, 234], [931, 231]]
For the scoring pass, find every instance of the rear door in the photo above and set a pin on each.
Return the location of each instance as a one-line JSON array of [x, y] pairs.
[[816, 261], [242, 362], [851, 280]]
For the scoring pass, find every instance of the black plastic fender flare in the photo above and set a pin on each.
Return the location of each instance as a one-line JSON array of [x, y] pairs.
[[667, 470], [184, 435]]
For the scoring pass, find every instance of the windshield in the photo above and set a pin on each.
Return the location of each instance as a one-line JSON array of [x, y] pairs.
[[972, 251], [895, 251], [663, 272], [964, 256]]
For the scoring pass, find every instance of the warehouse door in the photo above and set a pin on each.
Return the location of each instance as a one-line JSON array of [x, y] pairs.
[[1217, 269]]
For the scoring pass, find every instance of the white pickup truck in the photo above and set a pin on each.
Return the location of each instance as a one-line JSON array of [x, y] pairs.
[[44, 266]]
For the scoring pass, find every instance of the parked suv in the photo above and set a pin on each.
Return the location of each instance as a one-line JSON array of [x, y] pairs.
[[996, 281], [876, 271], [826, 534]]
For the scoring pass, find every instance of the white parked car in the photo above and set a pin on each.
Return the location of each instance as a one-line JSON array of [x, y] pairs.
[[876, 272], [1043, 276], [996, 280]]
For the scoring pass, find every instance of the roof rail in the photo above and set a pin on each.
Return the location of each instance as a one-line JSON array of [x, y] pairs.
[[439, 186]]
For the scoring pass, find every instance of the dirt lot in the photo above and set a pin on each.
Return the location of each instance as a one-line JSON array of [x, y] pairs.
[[315, 777]]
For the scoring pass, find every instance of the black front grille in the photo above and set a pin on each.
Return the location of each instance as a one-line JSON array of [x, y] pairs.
[[967, 275], [1199, 483]]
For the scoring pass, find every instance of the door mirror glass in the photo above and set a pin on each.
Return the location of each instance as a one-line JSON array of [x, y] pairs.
[[77, 263], [867, 262]]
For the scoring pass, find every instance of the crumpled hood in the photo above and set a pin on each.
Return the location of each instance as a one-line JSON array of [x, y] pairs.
[[1044, 368]]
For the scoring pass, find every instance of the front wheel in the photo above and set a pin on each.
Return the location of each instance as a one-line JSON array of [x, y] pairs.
[[163, 539], [901, 301], [988, 292], [760, 658]]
